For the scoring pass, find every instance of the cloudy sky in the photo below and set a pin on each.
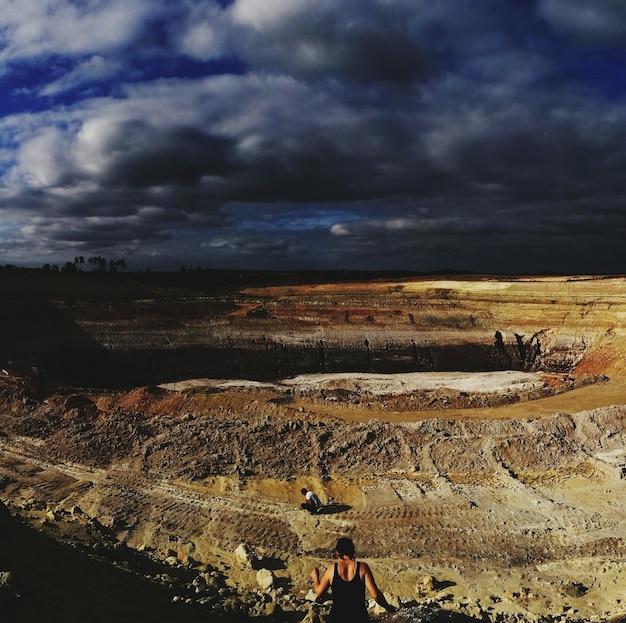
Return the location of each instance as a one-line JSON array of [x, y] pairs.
[[483, 135]]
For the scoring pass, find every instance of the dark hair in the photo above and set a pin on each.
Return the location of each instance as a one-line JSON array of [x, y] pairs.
[[345, 547], [303, 491]]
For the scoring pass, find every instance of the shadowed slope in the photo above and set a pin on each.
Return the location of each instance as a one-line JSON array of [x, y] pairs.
[[53, 582]]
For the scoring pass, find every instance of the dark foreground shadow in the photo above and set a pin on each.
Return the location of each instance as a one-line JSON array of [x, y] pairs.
[[273, 564], [55, 583]]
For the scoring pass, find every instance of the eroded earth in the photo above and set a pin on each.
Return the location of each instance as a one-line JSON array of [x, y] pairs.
[[495, 491]]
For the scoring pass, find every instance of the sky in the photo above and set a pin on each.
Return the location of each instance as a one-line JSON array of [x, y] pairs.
[[484, 135]]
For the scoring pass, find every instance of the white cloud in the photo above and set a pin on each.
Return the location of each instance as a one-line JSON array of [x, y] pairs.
[[204, 31], [340, 229], [42, 161], [35, 27], [589, 21], [265, 16], [95, 69]]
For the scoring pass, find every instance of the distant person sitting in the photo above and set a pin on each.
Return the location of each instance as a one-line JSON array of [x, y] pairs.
[[312, 502]]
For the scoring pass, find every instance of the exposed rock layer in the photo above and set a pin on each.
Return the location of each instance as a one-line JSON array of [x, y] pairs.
[[512, 517], [264, 334]]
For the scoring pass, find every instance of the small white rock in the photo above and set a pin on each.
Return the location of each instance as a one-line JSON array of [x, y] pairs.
[[265, 579]]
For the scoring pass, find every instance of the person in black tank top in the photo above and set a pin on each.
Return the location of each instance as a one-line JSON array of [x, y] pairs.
[[348, 597], [348, 580]]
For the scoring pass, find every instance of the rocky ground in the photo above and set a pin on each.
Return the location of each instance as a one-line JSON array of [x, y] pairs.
[[492, 496]]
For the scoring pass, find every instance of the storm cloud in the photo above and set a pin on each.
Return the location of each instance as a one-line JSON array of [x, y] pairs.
[[486, 136]]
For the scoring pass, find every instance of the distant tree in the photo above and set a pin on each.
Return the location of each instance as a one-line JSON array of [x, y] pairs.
[[115, 265], [68, 267], [97, 263], [79, 261]]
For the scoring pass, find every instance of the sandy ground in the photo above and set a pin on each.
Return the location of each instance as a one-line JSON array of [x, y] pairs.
[[388, 384], [603, 393], [511, 516]]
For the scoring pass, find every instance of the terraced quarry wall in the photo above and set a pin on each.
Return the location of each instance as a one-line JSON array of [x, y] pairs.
[[533, 324]]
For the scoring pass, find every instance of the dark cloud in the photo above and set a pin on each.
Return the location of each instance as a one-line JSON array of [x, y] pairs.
[[365, 44], [149, 156], [411, 134]]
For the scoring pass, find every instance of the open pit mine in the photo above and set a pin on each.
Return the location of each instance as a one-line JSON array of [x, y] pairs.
[[468, 433]]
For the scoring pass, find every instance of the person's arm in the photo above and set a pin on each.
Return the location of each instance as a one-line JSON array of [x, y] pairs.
[[320, 586], [376, 594]]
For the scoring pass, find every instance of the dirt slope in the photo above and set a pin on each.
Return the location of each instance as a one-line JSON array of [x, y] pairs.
[[507, 488]]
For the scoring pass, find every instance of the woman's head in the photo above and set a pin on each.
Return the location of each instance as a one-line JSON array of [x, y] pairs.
[[345, 547]]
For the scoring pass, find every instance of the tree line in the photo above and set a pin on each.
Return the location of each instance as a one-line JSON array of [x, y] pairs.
[[96, 263]]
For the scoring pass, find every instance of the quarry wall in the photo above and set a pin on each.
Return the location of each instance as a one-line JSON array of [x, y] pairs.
[[539, 324]]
